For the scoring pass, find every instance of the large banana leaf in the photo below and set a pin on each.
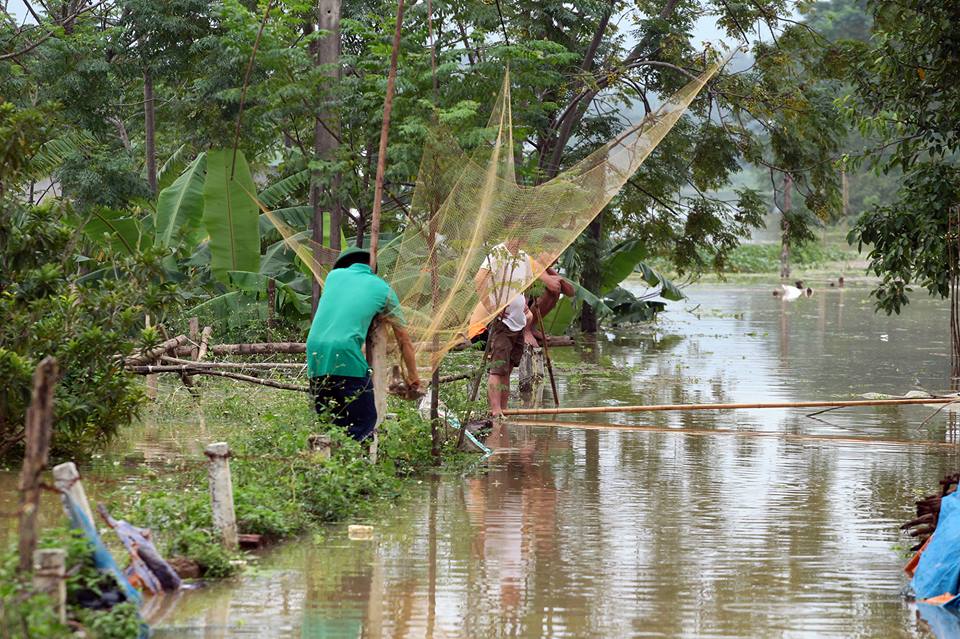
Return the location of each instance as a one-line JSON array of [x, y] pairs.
[[114, 229], [180, 205], [230, 215], [619, 263]]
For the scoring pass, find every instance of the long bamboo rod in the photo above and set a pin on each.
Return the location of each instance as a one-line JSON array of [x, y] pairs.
[[687, 407], [384, 133], [705, 432]]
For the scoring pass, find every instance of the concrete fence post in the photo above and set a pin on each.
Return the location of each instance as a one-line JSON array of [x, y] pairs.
[[321, 446], [49, 577], [221, 493], [66, 479]]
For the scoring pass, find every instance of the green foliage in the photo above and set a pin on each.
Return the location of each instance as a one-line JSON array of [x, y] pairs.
[[765, 258], [280, 489], [908, 239], [907, 95], [49, 308]]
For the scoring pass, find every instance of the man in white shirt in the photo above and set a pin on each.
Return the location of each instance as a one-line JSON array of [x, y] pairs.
[[505, 273]]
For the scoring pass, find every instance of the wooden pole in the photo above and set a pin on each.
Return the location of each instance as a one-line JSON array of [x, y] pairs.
[[546, 356], [221, 493], [199, 370], [689, 407], [49, 577], [377, 356], [143, 357], [152, 381], [204, 342], [38, 430], [194, 338], [384, 133]]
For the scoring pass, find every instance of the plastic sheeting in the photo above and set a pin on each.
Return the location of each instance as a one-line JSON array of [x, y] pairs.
[[938, 572]]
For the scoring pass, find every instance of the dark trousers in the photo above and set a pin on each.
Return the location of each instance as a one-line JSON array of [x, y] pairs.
[[348, 401]]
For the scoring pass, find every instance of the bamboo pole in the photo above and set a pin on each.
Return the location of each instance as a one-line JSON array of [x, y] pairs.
[[705, 432], [384, 133], [546, 356], [689, 407], [238, 365], [193, 370], [204, 342]]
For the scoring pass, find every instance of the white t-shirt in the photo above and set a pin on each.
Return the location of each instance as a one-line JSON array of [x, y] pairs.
[[510, 275]]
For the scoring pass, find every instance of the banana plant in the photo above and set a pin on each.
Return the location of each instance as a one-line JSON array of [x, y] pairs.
[[611, 301]]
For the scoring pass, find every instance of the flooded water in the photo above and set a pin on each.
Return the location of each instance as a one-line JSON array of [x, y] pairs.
[[696, 524]]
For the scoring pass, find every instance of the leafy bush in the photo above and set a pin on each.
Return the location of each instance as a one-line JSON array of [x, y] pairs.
[[25, 613], [52, 304]]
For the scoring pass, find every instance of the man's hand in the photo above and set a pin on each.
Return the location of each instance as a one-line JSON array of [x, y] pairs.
[[553, 283], [414, 383]]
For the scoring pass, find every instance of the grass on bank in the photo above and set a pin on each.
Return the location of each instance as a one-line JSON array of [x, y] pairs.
[[280, 489]]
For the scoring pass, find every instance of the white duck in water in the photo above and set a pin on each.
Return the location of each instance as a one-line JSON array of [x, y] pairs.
[[789, 293]]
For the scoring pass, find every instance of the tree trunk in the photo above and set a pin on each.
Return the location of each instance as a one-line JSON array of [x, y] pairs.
[[149, 131], [326, 53], [785, 226], [590, 278]]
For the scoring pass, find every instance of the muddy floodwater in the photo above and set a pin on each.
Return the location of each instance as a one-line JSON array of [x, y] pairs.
[[698, 524]]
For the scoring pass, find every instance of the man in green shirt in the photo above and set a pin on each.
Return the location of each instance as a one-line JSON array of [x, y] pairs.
[[339, 373]]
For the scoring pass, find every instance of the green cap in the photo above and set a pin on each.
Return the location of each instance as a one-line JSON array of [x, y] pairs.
[[352, 255]]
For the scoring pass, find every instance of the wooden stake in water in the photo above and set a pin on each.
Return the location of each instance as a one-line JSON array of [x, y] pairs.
[[38, 429], [221, 493]]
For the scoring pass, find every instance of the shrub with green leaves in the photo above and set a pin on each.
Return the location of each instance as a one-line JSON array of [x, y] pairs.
[[85, 311]]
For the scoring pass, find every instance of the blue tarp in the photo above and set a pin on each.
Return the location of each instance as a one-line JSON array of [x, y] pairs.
[[938, 572]]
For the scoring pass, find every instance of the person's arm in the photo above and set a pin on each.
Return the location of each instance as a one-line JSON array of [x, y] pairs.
[[407, 354], [393, 313], [482, 280]]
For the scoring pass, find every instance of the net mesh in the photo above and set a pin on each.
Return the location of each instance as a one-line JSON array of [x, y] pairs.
[[468, 206]]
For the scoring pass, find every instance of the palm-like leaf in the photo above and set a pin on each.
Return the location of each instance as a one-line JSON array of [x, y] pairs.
[[279, 191]]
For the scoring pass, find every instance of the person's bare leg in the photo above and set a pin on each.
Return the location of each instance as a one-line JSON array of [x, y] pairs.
[[505, 391], [494, 394]]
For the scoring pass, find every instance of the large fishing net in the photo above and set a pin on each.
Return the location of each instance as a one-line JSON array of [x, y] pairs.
[[469, 220]]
